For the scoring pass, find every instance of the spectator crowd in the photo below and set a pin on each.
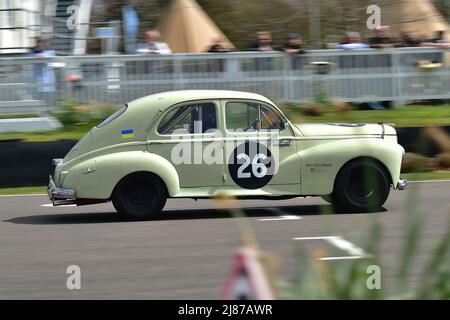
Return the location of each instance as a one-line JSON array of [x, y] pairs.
[[294, 44]]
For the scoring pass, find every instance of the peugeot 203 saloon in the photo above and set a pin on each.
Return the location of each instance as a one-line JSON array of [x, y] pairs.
[[204, 143]]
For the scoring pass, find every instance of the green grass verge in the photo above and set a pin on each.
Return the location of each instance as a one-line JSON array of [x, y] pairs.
[[409, 116], [72, 133], [18, 116], [56, 135], [23, 190], [437, 175]]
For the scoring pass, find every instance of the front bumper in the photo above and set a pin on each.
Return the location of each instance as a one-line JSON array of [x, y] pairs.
[[401, 185], [60, 196]]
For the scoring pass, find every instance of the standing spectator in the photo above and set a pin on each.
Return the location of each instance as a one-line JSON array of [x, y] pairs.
[[153, 44], [218, 45], [43, 73], [438, 41], [383, 39], [293, 44], [353, 42], [130, 28], [344, 40], [408, 40], [263, 42], [294, 48]]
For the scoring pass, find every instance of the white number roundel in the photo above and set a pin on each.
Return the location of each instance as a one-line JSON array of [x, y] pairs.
[[259, 169], [251, 165]]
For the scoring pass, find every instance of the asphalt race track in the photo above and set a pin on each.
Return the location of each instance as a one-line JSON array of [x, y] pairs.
[[187, 253]]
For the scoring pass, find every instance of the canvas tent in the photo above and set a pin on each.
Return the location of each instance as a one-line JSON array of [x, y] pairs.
[[188, 29], [419, 17]]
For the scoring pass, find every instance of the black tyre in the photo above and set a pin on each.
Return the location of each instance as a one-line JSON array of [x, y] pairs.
[[139, 196], [362, 185]]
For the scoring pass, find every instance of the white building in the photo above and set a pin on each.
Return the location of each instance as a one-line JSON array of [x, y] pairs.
[[18, 21], [64, 22]]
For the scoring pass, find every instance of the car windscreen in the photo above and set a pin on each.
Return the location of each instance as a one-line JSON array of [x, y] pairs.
[[114, 116]]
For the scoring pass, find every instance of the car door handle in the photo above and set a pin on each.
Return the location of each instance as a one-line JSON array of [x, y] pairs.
[[284, 142]]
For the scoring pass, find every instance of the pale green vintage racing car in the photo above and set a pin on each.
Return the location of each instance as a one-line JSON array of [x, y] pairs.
[[204, 143]]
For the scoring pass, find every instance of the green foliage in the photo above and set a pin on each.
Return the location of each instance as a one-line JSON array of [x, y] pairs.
[[322, 97], [240, 19], [318, 279], [68, 115], [413, 162], [71, 114]]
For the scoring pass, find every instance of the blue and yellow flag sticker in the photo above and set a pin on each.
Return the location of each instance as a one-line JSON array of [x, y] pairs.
[[129, 133]]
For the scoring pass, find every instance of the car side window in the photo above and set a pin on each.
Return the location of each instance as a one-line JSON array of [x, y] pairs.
[[248, 116], [241, 116], [189, 119], [270, 120]]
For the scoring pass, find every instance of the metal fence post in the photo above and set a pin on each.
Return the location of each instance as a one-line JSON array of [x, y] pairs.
[[177, 73], [396, 79], [289, 78]]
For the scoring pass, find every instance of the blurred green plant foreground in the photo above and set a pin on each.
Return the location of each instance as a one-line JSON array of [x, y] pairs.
[[71, 114], [317, 279], [349, 280]]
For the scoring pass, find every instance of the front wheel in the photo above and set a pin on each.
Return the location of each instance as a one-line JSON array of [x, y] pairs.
[[362, 186], [139, 197]]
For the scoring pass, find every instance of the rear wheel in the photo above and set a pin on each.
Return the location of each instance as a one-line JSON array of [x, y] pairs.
[[139, 197], [361, 185]]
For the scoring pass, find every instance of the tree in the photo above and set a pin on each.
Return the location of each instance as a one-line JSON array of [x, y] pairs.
[[241, 19]]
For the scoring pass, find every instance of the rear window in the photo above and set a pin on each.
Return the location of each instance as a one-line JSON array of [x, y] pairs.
[[189, 119], [114, 116]]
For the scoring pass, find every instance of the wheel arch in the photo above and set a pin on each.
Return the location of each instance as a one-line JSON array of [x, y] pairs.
[[367, 158], [112, 168], [141, 173], [322, 162]]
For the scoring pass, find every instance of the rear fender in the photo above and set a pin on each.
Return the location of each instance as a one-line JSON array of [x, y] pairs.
[[97, 177]]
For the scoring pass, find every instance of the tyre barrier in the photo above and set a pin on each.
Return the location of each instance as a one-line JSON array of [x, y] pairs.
[[29, 163]]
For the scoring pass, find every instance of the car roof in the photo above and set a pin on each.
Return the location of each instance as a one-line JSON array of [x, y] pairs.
[[166, 99]]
